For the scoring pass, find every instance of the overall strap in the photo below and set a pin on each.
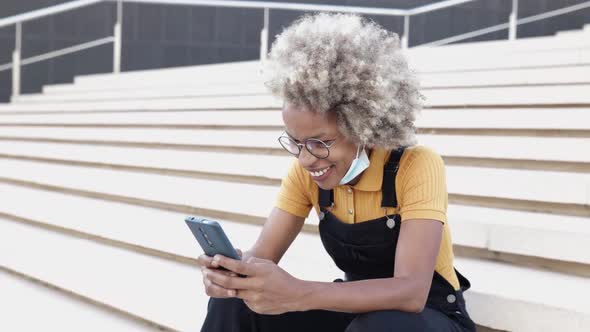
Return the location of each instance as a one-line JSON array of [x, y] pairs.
[[326, 197], [389, 197]]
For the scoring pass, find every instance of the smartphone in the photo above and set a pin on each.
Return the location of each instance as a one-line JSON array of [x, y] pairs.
[[211, 237]]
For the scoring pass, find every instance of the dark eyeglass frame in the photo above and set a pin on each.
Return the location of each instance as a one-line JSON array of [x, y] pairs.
[[300, 145]]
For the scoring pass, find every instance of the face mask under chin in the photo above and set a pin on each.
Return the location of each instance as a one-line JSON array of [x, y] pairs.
[[359, 164]]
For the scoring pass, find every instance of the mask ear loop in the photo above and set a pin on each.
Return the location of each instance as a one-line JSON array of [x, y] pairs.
[[358, 151]]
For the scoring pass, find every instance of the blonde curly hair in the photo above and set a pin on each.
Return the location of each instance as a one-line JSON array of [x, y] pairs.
[[345, 64]]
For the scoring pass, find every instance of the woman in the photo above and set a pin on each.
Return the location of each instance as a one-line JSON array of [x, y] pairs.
[[349, 106]]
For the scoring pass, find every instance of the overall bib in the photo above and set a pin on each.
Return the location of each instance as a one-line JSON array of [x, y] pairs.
[[364, 250]]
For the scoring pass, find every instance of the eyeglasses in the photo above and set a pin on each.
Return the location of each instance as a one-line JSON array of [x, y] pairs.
[[316, 147]]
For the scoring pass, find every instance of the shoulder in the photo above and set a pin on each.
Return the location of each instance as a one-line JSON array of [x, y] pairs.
[[421, 185], [420, 164], [419, 156]]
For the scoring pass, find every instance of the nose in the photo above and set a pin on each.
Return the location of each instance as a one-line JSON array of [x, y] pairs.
[[306, 158]]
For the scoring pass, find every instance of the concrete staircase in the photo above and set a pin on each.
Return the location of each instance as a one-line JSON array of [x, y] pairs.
[[96, 177]]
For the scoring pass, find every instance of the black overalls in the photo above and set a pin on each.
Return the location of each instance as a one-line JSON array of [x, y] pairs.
[[364, 250]]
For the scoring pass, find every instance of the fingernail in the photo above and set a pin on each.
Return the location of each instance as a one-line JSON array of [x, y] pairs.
[[231, 293]]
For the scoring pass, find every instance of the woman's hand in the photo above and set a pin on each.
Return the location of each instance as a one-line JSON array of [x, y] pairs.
[[266, 289], [208, 267]]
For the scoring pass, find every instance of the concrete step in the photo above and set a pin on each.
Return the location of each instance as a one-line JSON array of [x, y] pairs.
[[468, 61], [493, 294], [572, 40], [550, 95], [475, 229], [174, 118], [27, 305], [517, 163], [503, 77], [256, 102], [134, 228], [443, 95], [256, 167], [513, 118], [518, 95], [506, 50], [208, 71], [528, 300], [503, 232], [185, 89], [513, 148], [85, 250], [420, 60], [528, 234], [530, 46], [516, 148], [557, 75], [167, 293], [433, 130], [476, 182], [180, 192]]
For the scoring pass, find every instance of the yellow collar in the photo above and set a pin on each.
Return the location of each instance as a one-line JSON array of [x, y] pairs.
[[372, 178]]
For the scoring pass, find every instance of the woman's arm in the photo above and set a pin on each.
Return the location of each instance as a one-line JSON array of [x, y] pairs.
[[417, 250], [278, 232]]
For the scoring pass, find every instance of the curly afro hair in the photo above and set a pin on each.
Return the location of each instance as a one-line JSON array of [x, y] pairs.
[[345, 64]]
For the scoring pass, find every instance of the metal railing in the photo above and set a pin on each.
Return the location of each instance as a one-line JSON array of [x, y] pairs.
[[18, 20], [116, 38]]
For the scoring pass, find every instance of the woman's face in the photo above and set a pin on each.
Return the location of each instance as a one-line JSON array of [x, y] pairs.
[[302, 124]]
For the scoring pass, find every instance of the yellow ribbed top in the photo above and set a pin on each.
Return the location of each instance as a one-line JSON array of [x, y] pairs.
[[420, 187]]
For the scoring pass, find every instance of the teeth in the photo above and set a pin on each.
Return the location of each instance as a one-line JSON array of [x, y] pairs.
[[319, 173]]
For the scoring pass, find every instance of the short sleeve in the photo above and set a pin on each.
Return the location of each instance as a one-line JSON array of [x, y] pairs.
[[293, 197], [423, 186]]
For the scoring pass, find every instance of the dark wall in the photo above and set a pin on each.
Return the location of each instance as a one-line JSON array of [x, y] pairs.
[[156, 36]]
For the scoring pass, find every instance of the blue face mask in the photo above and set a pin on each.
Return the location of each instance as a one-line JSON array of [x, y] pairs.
[[359, 164]]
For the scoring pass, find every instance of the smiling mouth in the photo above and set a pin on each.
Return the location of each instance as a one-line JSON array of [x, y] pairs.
[[321, 173]]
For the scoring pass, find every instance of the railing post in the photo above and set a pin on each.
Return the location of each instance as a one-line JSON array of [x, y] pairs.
[[513, 21], [406, 34], [117, 39], [16, 57], [264, 37]]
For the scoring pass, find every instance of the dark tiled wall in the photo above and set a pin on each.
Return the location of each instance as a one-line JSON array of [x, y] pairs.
[[157, 36]]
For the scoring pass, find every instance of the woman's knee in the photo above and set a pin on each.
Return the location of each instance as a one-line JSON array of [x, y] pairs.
[[387, 320]]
